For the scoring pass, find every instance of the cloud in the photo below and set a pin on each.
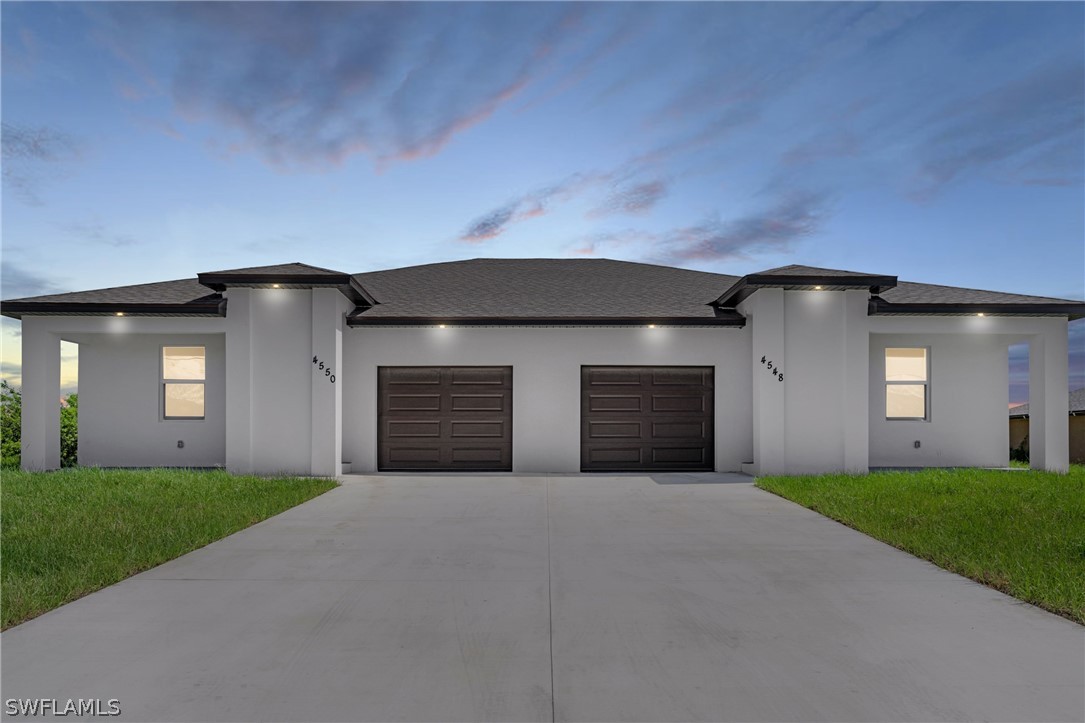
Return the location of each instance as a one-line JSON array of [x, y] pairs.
[[94, 232], [637, 198], [796, 216], [16, 282], [1043, 106], [312, 84], [531, 205], [32, 155]]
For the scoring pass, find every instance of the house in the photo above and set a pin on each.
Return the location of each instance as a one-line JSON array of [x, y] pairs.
[[1019, 426], [542, 365]]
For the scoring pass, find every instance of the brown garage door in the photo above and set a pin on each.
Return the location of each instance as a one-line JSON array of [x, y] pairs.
[[646, 418], [445, 418]]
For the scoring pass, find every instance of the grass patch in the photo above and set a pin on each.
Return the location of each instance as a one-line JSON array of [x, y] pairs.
[[1020, 532], [66, 534]]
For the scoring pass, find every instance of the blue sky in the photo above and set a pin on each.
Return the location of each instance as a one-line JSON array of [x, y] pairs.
[[938, 142]]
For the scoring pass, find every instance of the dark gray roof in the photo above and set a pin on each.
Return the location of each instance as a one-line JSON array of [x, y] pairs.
[[909, 292], [543, 288], [798, 270], [1077, 404], [504, 290], [296, 268], [182, 291]]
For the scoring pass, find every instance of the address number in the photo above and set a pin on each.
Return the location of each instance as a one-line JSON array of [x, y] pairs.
[[772, 369], [321, 368]]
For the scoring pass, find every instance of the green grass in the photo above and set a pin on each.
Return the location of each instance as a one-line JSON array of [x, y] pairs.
[[66, 534], [1020, 532]]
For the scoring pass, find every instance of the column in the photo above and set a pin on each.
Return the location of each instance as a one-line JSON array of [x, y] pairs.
[[327, 386], [41, 397], [1049, 434], [239, 381], [856, 382]]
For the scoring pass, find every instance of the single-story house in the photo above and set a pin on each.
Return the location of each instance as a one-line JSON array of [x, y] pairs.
[[542, 365], [1019, 425]]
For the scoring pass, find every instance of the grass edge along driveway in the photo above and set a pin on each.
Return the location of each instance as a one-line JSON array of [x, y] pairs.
[[1020, 532], [68, 533]]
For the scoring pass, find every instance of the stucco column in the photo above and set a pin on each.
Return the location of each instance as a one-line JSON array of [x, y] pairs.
[[327, 383], [766, 310], [239, 380], [1049, 433], [856, 382], [41, 398]]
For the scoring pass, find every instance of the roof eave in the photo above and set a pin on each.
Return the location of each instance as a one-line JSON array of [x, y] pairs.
[[881, 307], [349, 286], [721, 319], [747, 285], [18, 309]]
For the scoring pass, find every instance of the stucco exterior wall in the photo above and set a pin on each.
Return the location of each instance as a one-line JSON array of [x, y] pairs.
[[546, 381], [120, 404], [969, 396]]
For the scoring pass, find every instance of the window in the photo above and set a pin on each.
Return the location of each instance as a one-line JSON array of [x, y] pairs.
[[183, 376], [906, 383]]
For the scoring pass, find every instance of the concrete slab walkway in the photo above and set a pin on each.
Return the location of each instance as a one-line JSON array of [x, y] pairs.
[[579, 598]]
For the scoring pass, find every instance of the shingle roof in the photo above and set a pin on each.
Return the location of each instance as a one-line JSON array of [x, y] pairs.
[[504, 290], [279, 270], [799, 270], [1077, 404], [181, 291], [909, 292], [542, 288]]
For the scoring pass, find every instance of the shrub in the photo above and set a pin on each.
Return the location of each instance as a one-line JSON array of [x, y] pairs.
[[11, 428]]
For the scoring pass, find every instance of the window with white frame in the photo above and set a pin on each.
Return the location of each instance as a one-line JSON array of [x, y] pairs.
[[907, 371], [184, 372]]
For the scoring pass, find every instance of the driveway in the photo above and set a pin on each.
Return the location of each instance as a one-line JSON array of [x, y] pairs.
[[587, 598]]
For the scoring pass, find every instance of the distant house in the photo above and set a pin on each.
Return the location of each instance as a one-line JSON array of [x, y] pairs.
[[1019, 426]]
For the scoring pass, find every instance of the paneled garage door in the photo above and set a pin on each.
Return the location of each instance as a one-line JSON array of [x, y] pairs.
[[646, 418], [445, 418]]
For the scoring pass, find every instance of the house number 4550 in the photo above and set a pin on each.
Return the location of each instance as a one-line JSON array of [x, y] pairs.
[[327, 370], [772, 369]]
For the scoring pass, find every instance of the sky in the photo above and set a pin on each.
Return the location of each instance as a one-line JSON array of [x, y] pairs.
[[938, 142]]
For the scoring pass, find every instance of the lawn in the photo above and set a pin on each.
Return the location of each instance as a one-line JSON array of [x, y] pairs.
[[66, 534], [1020, 532]]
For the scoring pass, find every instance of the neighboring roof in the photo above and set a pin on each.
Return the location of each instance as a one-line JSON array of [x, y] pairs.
[[184, 297], [1077, 405], [545, 291], [808, 278], [288, 276], [917, 299]]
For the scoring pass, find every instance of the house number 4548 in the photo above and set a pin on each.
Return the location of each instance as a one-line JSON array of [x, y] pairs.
[[772, 369], [321, 368]]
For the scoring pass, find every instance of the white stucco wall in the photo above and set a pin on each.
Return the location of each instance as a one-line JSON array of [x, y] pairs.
[[546, 381], [120, 404], [969, 395]]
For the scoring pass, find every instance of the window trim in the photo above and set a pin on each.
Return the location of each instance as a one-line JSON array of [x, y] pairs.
[[163, 382], [926, 383]]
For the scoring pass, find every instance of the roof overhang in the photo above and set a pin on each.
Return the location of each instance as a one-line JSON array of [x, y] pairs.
[[722, 318], [345, 283], [747, 285], [213, 306], [1070, 309]]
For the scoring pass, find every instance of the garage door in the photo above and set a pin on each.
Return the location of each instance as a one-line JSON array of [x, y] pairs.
[[646, 418], [445, 418]]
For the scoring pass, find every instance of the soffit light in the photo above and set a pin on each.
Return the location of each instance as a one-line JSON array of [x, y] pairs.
[[120, 313], [274, 286], [817, 288], [980, 314]]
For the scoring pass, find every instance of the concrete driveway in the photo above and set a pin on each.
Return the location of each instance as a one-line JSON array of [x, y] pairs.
[[586, 598]]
